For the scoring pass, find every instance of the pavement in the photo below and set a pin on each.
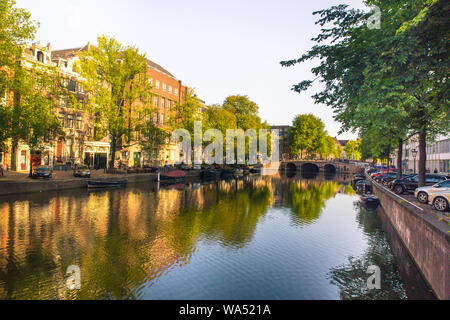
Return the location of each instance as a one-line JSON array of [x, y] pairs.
[[12, 176], [426, 208]]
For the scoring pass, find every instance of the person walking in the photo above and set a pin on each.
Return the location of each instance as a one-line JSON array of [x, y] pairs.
[[1, 169]]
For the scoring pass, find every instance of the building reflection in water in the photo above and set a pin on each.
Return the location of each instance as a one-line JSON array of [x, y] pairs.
[[126, 239]]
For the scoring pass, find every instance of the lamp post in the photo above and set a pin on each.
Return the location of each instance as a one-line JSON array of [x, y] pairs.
[[414, 154]]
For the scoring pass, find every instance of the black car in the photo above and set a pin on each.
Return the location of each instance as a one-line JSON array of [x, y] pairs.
[[409, 184], [42, 172], [385, 177]]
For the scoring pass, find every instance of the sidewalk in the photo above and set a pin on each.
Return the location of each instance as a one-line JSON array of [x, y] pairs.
[[12, 176]]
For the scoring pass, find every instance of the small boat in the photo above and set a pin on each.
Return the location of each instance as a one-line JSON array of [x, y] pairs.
[[227, 173], [370, 202], [107, 184], [211, 174], [255, 170], [175, 175]]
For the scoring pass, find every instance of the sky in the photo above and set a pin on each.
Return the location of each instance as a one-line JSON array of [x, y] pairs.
[[217, 47]]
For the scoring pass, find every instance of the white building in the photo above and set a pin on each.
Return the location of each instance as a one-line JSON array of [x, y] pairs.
[[438, 155]]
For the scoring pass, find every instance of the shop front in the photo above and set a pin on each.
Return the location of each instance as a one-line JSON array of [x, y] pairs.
[[96, 154]]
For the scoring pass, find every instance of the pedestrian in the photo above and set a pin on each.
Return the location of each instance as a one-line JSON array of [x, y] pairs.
[[435, 170], [1, 169]]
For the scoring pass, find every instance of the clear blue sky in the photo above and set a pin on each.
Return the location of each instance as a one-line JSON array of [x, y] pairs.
[[218, 47]]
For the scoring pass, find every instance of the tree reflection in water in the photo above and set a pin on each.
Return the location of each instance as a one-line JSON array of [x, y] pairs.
[[351, 277], [124, 240]]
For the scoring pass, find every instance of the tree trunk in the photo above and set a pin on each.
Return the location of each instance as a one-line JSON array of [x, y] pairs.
[[113, 151], [31, 164], [399, 158], [422, 155], [14, 156]]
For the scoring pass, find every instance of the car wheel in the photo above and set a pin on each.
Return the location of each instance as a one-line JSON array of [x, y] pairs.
[[440, 204], [422, 197], [398, 189]]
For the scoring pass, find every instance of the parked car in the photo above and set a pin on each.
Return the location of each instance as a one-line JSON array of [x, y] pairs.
[[385, 177], [42, 172], [422, 193], [410, 184], [439, 200], [82, 172]]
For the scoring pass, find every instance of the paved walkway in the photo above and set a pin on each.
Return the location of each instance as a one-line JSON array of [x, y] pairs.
[[426, 208], [57, 175]]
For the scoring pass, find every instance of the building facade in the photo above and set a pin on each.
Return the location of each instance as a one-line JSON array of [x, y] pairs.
[[438, 155]]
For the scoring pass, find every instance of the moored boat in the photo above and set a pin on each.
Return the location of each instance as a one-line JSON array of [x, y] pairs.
[[211, 174], [370, 202], [106, 184], [175, 175]]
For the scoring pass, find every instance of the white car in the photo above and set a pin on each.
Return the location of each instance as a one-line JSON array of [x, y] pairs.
[[422, 193]]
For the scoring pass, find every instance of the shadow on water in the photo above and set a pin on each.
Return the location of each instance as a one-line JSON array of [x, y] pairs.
[[400, 278]]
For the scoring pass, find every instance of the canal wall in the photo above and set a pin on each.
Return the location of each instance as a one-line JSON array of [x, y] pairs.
[[426, 239], [34, 186]]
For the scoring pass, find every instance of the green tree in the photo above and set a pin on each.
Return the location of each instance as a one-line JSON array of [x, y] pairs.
[[392, 77], [117, 83], [152, 137], [184, 114], [306, 134], [328, 146], [353, 149], [16, 31]]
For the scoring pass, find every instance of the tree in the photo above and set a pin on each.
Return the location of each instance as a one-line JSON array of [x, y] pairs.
[[16, 31], [184, 114], [306, 134], [117, 84], [393, 77], [152, 137], [353, 149], [328, 146]]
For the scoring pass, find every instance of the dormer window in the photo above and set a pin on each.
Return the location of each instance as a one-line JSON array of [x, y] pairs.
[[40, 56]]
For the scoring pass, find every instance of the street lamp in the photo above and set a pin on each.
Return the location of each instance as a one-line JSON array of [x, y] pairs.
[[414, 154]]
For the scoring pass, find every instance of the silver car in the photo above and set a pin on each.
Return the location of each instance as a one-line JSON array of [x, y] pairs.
[[422, 193], [440, 200]]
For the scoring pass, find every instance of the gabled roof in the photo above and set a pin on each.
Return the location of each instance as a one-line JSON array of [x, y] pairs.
[[159, 68], [70, 53]]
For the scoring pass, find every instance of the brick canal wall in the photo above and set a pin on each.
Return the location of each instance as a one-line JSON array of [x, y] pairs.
[[32, 186], [426, 239]]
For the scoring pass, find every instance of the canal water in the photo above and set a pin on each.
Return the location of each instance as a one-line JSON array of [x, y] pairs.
[[262, 237]]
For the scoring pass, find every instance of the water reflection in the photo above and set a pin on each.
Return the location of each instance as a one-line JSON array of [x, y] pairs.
[[127, 241]]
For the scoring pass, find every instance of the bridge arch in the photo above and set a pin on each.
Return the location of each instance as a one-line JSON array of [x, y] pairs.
[[310, 167], [291, 166], [329, 168]]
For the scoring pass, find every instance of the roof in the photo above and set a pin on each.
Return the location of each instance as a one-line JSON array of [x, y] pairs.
[[343, 142], [159, 68], [70, 53]]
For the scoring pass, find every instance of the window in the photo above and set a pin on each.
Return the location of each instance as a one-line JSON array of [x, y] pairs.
[[169, 103], [156, 102], [72, 85], [3, 97], [162, 118], [157, 84], [61, 118], [70, 121], [63, 102], [155, 118], [170, 89], [79, 122], [164, 87], [176, 91], [163, 102]]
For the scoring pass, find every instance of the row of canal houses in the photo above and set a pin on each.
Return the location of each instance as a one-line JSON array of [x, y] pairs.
[[77, 145]]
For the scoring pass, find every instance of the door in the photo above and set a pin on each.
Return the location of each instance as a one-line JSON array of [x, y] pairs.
[[59, 148], [23, 160]]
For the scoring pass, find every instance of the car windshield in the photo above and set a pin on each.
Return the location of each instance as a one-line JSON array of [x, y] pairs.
[[82, 168], [43, 168], [444, 184]]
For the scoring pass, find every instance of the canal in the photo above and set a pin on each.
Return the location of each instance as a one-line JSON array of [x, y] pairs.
[[262, 237]]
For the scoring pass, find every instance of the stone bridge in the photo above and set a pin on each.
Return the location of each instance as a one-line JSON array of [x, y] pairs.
[[331, 167]]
